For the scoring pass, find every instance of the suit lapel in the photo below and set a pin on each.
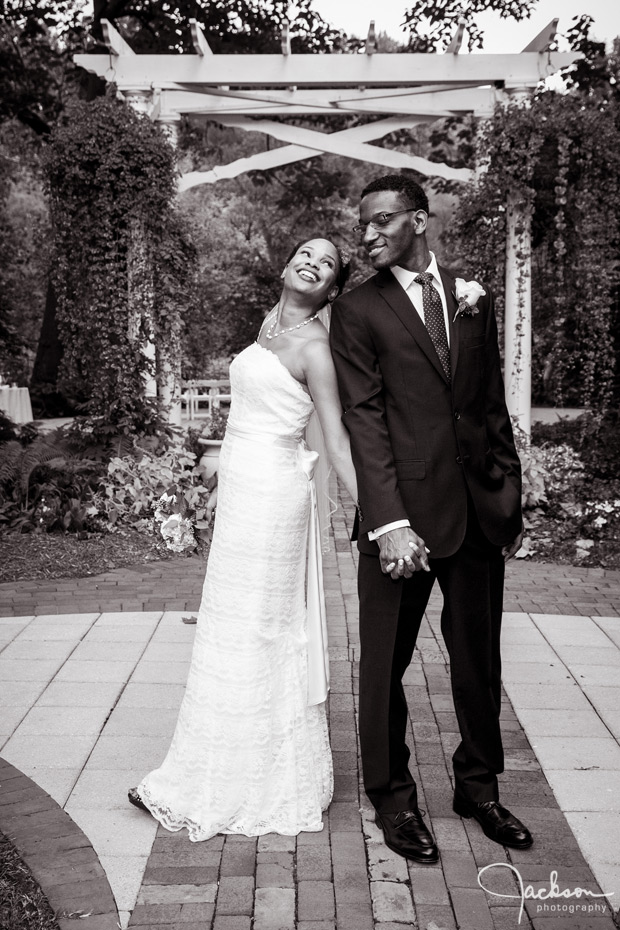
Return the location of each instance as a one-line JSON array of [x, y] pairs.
[[397, 299], [453, 319]]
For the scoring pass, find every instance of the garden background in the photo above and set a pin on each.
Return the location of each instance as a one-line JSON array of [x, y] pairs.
[[101, 256]]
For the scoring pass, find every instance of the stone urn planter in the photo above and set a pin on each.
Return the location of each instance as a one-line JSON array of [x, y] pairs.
[[211, 456]]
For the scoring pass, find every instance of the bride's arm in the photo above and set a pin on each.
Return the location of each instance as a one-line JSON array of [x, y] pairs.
[[320, 377]]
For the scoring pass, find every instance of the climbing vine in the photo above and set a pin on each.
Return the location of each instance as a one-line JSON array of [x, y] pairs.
[[560, 159], [122, 263]]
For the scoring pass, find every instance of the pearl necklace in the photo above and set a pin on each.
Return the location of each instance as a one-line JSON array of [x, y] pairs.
[[271, 334]]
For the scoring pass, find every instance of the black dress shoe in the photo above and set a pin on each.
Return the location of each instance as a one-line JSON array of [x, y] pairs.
[[136, 800], [497, 823], [406, 833]]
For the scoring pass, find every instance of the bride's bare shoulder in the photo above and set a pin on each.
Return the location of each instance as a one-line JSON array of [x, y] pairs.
[[315, 352]]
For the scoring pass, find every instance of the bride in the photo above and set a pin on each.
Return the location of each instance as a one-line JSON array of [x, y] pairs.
[[250, 753]]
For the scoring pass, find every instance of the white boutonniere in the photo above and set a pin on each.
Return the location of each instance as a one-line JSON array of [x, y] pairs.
[[467, 294]]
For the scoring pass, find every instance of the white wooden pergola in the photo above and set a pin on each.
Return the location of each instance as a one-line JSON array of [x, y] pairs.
[[246, 91]]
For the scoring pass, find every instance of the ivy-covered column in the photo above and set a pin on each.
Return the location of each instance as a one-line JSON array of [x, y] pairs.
[[122, 262], [140, 300], [518, 318], [168, 358]]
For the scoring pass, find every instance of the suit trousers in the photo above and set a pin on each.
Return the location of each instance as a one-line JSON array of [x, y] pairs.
[[472, 582]]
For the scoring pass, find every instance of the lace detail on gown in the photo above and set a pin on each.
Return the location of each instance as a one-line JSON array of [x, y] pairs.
[[249, 755]]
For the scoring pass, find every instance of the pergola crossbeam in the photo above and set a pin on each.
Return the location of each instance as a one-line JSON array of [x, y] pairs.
[[371, 39], [427, 106], [457, 39], [321, 70], [199, 40], [285, 39], [544, 40], [350, 143], [114, 40]]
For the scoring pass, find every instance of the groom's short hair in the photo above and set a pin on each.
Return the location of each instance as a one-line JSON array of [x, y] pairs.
[[411, 191]]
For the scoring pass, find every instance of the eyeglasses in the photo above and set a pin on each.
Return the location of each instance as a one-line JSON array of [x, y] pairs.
[[380, 219]]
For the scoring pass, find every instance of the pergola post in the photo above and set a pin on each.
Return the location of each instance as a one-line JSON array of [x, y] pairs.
[[518, 282], [518, 318], [170, 387], [169, 365]]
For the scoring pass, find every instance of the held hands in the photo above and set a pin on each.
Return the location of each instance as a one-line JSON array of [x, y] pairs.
[[402, 552]]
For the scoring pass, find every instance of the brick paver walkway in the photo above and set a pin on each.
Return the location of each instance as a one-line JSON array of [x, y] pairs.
[[345, 878]]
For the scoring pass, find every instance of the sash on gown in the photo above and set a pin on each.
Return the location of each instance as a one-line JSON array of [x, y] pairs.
[[316, 621]]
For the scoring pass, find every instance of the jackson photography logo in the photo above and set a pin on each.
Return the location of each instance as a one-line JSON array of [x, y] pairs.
[[553, 901]]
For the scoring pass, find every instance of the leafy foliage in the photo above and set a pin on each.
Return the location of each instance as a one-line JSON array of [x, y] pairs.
[[595, 74], [37, 41], [45, 482], [122, 262], [432, 23], [597, 444], [24, 246], [561, 160], [231, 26], [134, 484], [215, 425]]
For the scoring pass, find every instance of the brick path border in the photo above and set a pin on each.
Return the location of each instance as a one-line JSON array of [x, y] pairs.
[[531, 587], [59, 855]]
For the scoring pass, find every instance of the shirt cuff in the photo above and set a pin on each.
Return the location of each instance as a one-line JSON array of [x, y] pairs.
[[397, 524]]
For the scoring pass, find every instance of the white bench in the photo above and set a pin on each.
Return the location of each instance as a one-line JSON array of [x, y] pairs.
[[209, 393]]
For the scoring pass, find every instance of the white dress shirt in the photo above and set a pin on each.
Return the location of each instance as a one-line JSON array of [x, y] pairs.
[[414, 292]]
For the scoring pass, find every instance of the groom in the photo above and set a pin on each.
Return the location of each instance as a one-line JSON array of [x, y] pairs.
[[439, 498]]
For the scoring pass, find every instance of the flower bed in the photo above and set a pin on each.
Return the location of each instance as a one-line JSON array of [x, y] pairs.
[[572, 493]]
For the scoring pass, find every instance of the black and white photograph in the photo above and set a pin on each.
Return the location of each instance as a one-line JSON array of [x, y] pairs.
[[309, 465]]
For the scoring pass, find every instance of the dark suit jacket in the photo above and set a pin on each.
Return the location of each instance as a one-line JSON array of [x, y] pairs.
[[418, 444]]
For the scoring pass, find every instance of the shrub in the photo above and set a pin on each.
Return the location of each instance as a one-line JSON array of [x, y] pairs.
[[597, 441], [129, 493], [549, 471], [45, 484], [215, 425]]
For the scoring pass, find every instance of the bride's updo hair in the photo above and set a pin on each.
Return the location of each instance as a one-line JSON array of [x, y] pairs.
[[344, 260]]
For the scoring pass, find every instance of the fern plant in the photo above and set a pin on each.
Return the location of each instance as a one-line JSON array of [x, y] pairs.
[[18, 462], [46, 483]]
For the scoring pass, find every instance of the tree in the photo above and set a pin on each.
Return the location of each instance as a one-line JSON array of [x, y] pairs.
[[37, 41], [595, 74], [24, 245], [432, 23], [231, 26]]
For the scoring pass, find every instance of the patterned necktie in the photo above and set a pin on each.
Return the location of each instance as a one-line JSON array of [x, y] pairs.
[[434, 319]]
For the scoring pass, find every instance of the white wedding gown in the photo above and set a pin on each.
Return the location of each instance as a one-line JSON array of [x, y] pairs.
[[250, 753]]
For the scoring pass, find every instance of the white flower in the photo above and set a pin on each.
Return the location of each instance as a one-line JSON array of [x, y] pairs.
[[178, 533], [467, 294], [469, 291], [173, 525]]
